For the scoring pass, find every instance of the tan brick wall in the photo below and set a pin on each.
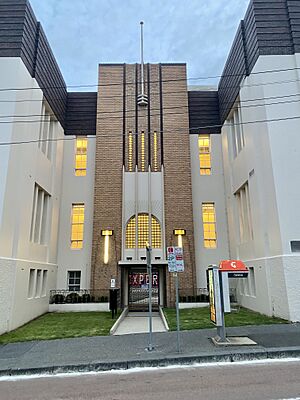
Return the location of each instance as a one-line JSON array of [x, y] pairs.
[[108, 177], [177, 165]]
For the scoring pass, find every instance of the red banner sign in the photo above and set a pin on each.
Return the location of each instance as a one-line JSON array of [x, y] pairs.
[[232, 266]]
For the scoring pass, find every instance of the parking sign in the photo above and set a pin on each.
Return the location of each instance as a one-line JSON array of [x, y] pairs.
[[175, 259]]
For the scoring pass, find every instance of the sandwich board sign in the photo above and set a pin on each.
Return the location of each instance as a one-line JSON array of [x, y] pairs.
[[215, 296], [175, 259]]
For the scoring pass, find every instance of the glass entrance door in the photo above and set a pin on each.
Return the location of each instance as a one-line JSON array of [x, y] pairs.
[[138, 290]]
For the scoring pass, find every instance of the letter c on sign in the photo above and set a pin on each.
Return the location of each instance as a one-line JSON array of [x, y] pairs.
[[233, 264]]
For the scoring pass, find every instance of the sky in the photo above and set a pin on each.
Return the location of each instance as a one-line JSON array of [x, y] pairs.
[[84, 33]]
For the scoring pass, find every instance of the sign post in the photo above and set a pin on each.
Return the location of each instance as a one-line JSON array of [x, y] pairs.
[[175, 265], [149, 268]]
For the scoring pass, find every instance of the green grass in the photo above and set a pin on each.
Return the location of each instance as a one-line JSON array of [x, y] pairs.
[[199, 318], [62, 325]]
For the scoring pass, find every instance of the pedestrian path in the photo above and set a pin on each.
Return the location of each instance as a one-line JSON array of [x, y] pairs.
[[102, 353], [138, 322]]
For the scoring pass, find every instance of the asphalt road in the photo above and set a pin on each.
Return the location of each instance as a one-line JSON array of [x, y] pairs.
[[280, 380]]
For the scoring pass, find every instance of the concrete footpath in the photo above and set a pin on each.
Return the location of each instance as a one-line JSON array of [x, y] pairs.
[[129, 351]]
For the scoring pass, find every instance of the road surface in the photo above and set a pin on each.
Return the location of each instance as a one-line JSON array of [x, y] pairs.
[[258, 381]]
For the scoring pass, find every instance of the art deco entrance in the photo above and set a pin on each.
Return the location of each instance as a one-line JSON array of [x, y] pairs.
[[138, 290]]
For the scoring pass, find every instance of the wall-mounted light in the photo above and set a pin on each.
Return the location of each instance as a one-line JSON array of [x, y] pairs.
[[179, 233], [106, 233]]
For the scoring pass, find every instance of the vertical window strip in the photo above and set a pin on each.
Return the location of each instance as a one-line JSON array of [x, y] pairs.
[[243, 203], [155, 234], [236, 131], [143, 230], [39, 219], [33, 216], [130, 234], [39, 216], [143, 151], [204, 154], [77, 227], [209, 225], [81, 157], [155, 152], [41, 125], [130, 152], [50, 137]]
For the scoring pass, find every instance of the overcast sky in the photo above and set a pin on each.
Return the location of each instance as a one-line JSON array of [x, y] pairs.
[[83, 33]]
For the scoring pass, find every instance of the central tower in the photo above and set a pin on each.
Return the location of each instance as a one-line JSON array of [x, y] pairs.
[[143, 177]]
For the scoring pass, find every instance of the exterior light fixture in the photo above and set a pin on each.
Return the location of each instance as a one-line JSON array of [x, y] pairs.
[[179, 233], [106, 233]]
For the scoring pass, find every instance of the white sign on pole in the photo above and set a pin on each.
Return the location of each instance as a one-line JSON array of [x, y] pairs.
[[175, 259]]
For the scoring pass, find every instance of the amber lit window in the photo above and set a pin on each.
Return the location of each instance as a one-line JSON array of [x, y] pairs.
[[209, 225], [77, 226], [143, 151], [130, 152], [155, 151], [204, 154], [143, 232], [81, 157]]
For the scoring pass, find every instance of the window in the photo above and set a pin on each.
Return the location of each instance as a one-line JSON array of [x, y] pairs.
[[155, 152], [236, 130], [77, 226], [204, 154], [46, 131], [143, 151], [74, 278], [81, 157], [31, 283], [143, 232], [130, 152], [209, 225], [39, 217], [44, 283], [38, 287], [243, 202], [251, 279]]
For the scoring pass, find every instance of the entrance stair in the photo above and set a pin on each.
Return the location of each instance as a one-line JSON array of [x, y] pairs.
[[138, 322]]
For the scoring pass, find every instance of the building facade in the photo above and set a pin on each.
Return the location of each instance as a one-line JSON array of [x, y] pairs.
[[89, 178]]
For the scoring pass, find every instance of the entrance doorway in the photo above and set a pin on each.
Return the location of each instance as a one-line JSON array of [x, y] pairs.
[[138, 290]]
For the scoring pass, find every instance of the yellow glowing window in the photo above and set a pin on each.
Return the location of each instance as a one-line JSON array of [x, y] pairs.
[[209, 225], [204, 154], [155, 151], [77, 226], [81, 157], [130, 152], [143, 151], [143, 232]]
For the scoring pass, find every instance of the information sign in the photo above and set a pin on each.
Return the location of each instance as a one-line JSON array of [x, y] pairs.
[[175, 259]]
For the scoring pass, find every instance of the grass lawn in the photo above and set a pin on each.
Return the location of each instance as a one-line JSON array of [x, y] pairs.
[[199, 318], [62, 325]]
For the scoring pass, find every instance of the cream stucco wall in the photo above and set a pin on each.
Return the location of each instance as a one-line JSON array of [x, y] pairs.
[[208, 189], [76, 189], [269, 162], [23, 165]]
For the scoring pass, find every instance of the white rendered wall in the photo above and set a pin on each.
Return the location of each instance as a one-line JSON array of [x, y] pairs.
[[270, 162], [23, 165], [76, 189], [208, 189]]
